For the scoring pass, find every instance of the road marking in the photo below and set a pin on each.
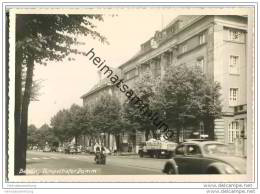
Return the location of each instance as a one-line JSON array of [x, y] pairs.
[[53, 157], [45, 158], [35, 158]]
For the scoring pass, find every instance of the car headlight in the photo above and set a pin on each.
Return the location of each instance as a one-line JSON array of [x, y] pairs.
[[229, 169]]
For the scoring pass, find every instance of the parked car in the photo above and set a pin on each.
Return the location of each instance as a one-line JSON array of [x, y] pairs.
[[79, 149], [60, 149], [46, 148], [66, 150], [204, 157], [71, 149], [84, 149], [106, 151], [54, 149]]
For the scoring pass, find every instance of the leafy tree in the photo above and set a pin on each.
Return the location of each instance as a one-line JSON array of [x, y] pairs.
[[85, 121], [74, 123], [145, 88], [187, 97], [41, 38], [59, 124], [86, 118], [41, 136], [47, 135], [32, 130], [107, 117]]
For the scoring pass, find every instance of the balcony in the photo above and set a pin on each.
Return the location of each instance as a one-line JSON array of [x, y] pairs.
[[240, 109]]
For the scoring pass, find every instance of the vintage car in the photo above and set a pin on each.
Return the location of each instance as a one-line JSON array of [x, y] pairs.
[[73, 149], [204, 157], [47, 148]]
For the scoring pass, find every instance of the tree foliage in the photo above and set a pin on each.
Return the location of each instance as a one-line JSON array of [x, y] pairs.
[[71, 123], [145, 88], [107, 115], [187, 96], [41, 38], [50, 37], [40, 136], [59, 123]]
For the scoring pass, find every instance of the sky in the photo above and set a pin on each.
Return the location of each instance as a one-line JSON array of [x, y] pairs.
[[63, 83]]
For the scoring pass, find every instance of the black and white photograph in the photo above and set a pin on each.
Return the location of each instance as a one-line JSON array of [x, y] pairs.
[[165, 93]]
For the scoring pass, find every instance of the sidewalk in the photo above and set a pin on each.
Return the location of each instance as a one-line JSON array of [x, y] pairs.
[[125, 154]]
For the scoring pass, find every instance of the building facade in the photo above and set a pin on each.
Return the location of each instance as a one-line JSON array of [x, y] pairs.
[[218, 44], [102, 88]]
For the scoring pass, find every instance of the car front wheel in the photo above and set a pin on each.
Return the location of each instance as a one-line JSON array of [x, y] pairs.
[[213, 171], [171, 170]]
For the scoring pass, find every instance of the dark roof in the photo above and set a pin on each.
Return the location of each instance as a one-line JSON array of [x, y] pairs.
[[105, 82], [186, 19]]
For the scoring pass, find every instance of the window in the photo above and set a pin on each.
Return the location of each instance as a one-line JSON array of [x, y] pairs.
[[200, 63], [233, 131], [234, 35], [168, 57], [234, 64], [193, 150], [157, 69], [145, 67], [184, 48], [130, 74], [233, 96], [202, 38], [180, 150]]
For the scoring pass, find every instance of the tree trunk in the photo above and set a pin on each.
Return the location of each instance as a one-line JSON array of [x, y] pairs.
[[154, 134], [24, 114], [134, 141], [146, 135], [117, 137], [178, 128], [84, 139], [17, 112], [76, 141], [209, 126], [108, 141]]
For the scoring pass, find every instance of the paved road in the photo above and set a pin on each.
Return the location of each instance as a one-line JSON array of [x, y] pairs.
[[59, 163]]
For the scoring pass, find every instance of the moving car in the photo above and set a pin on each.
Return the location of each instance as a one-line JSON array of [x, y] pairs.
[[204, 157]]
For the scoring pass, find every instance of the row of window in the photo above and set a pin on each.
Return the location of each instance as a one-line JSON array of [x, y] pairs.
[[202, 40], [234, 35], [130, 74], [233, 65]]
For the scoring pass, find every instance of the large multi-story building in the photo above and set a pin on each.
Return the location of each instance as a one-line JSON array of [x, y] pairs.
[[216, 43]]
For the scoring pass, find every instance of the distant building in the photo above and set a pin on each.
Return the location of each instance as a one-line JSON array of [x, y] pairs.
[[102, 88], [218, 44]]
